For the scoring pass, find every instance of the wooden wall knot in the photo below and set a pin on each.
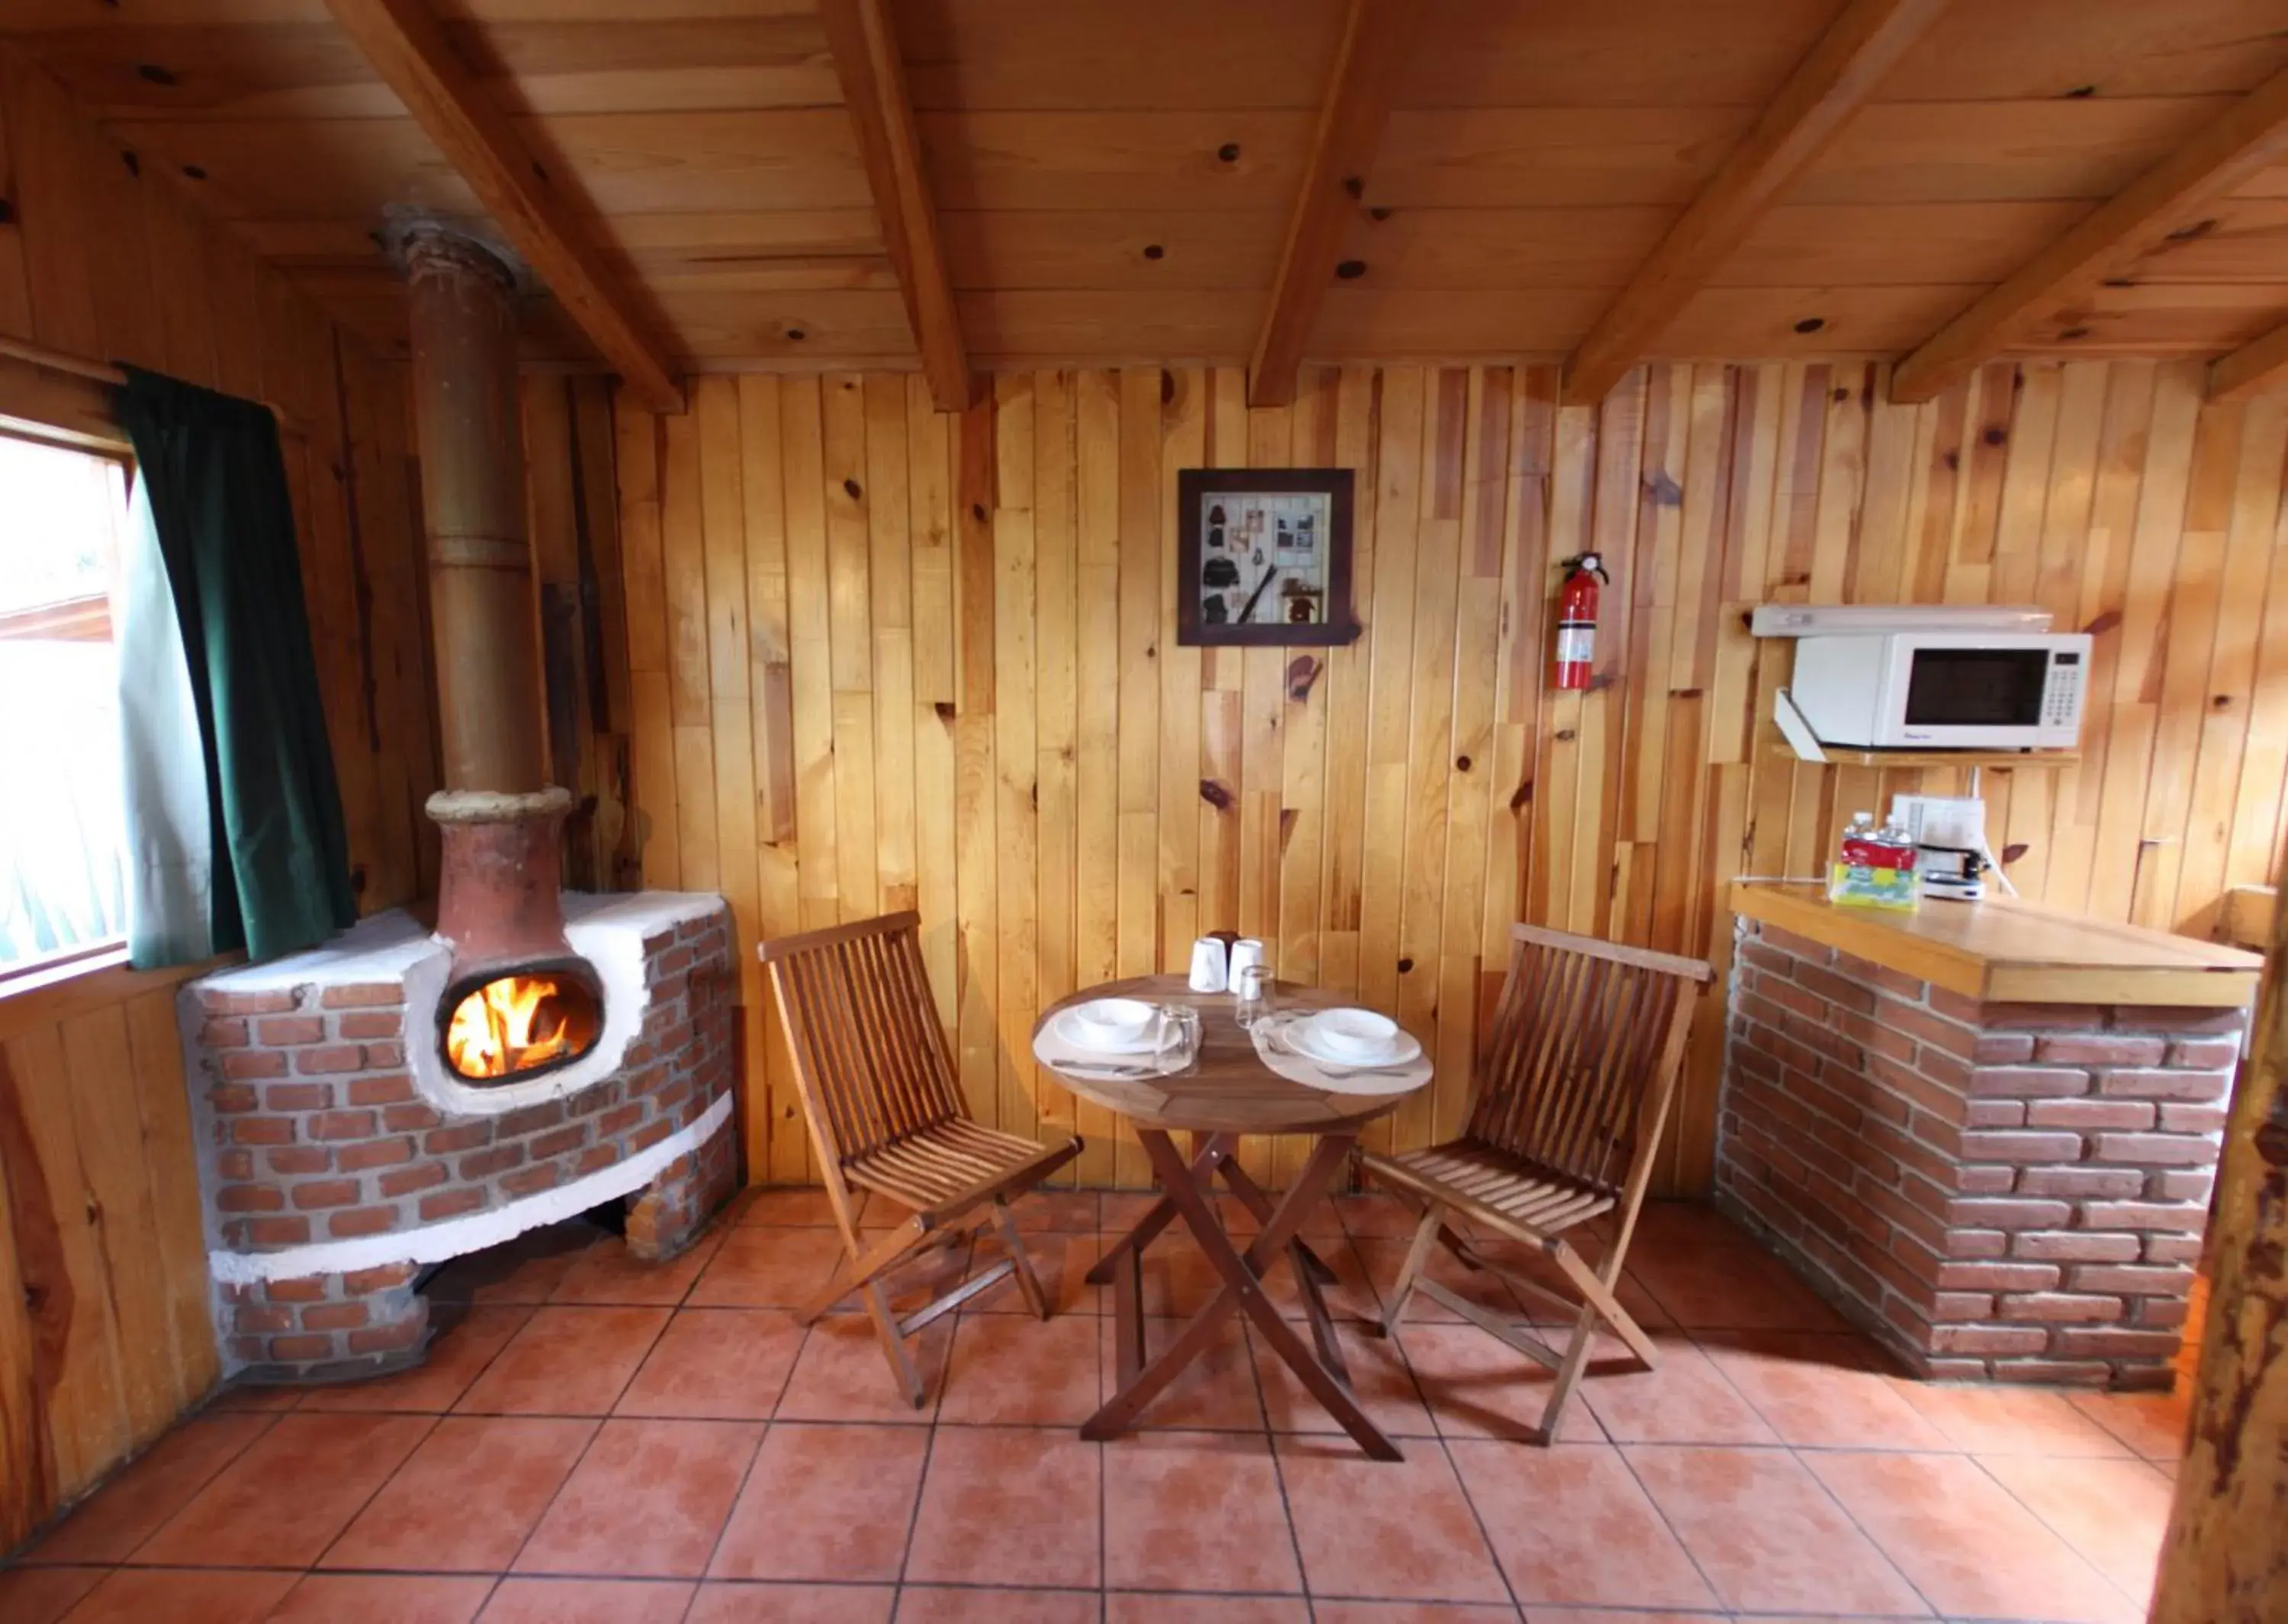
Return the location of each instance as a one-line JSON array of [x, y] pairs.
[[1216, 795], [2272, 1143]]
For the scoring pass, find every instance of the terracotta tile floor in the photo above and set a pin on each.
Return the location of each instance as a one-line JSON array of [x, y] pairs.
[[597, 1442]]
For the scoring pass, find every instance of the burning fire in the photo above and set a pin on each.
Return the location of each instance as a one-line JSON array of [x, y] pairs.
[[511, 1025]]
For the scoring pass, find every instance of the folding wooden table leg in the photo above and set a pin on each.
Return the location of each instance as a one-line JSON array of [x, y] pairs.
[[1315, 1312], [1251, 1196], [1206, 1156], [1310, 1271], [1320, 1369], [1127, 1320], [1243, 1291]]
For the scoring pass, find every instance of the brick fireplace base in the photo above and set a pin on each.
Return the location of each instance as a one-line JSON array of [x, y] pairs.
[[342, 1160], [1998, 1192]]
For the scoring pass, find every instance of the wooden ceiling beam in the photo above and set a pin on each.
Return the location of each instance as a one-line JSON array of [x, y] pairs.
[[873, 75], [1378, 35], [1858, 50], [2250, 134], [2257, 366], [408, 49]]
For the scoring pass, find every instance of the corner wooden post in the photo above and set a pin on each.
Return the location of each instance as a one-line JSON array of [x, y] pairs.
[[2226, 1561]]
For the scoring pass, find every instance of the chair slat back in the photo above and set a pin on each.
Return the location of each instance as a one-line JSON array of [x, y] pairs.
[[1587, 1042], [870, 1058]]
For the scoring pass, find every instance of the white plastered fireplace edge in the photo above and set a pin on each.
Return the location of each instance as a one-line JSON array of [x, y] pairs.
[[608, 932], [436, 1243]]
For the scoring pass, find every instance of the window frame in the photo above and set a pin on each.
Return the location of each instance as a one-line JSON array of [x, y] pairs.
[[69, 413]]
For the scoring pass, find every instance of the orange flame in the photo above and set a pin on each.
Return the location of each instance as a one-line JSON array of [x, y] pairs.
[[511, 1025]]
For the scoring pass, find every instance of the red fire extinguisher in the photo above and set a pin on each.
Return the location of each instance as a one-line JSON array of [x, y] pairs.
[[1577, 621]]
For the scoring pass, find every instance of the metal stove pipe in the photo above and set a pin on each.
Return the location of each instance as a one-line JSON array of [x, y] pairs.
[[500, 819]]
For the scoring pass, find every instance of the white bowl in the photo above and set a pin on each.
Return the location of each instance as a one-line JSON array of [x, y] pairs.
[[1354, 1035], [1113, 1023]]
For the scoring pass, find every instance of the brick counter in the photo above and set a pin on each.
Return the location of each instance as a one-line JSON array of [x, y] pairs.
[[1995, 1190]]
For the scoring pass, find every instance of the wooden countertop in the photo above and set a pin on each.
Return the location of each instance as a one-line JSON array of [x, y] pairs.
[[2006, 951]]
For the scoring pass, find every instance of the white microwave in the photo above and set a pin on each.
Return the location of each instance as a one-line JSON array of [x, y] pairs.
[[1942, 690]]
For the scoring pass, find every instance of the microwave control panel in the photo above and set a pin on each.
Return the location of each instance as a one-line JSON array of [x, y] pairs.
[[2062, 693]]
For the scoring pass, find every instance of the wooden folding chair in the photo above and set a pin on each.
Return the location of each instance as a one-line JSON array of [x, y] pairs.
[[886, 1115], [1571, 1099]]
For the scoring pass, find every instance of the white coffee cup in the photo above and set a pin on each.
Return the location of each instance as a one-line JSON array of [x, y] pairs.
[[1246, 951], [1209, 971]]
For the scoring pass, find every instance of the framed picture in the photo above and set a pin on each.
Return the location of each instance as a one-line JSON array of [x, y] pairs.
[[1263, 557]]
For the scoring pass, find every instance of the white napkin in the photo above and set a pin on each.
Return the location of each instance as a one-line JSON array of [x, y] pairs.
[[1393, 1079], [1054, 1050]]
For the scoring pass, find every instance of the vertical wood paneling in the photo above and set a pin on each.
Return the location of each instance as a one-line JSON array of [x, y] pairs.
[[1056, 708], [1016, 752], [105, 1332], [976, 856], [1085, 796], [1096, 719]]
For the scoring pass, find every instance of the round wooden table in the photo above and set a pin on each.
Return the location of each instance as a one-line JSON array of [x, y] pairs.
[[1227, 1092]]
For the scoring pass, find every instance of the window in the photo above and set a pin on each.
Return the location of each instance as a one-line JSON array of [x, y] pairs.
[[63, 828]]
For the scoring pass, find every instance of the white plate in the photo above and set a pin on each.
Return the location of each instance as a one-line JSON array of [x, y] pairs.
[[1356, 1035], [1404, 1050], [1082, 1036]]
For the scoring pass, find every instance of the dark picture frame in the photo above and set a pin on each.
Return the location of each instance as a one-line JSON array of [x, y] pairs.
[[1202, 544]]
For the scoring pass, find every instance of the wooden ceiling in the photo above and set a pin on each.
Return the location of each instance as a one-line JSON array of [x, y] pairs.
[[1107, 181]]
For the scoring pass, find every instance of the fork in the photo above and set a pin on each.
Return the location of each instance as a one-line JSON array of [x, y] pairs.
[[1090, 1068]]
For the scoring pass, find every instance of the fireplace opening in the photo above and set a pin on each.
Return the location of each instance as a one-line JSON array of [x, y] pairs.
[[495, 1029]]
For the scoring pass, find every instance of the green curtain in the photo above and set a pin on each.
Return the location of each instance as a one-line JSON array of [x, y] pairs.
[[216, 483]]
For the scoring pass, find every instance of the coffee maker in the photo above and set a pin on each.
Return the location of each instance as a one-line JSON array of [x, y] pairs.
[[1950, 837]]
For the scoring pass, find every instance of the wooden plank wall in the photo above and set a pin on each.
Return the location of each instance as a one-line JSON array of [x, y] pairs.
[[574, 521], [104, 1328], [883, 658]]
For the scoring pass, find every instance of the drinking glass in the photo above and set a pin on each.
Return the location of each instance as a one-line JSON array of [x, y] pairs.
[[1180, 1023], [1253, 986]]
